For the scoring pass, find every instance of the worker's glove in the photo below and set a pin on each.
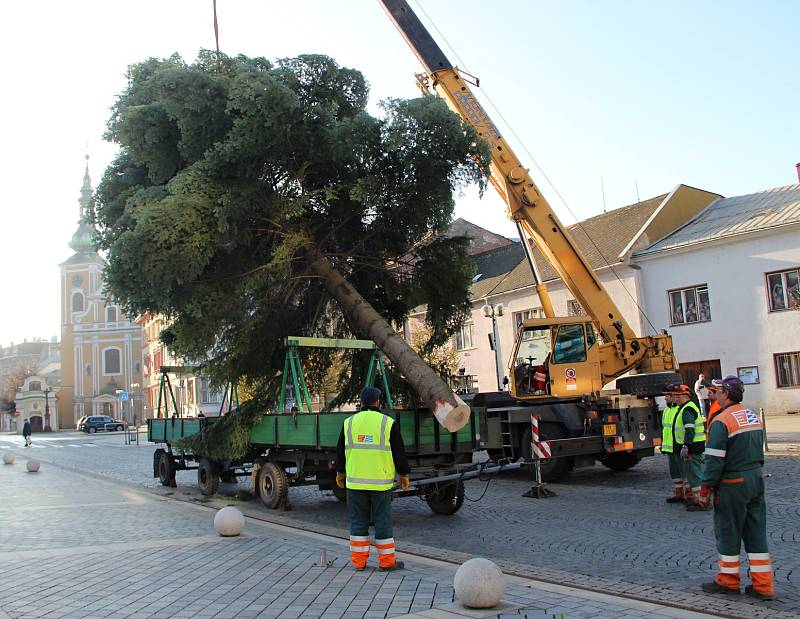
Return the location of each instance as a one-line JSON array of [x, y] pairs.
[[405, 482], [704, 499], [685, 452], [340, 480]]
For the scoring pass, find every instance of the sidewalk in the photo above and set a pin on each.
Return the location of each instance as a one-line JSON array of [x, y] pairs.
[[77, 546]]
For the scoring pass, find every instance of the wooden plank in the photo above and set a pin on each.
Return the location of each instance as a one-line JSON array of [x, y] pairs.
[[325, 342]]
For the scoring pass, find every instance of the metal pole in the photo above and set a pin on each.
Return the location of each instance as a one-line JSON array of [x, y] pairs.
[[498, 357], [764, 423]]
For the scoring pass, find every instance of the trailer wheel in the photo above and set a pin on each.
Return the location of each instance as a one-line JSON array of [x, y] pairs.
[[229, 476], [273, 486], [166, 469], [207, 478], [553, 469], [648, 385], [157, 460], [339, 493], [621, 461], [446, 498]]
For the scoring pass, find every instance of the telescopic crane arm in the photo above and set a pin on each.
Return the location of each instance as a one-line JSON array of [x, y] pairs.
[[529, 209]]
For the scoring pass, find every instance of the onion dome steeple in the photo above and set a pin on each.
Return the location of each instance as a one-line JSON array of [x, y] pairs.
[[82, 240]]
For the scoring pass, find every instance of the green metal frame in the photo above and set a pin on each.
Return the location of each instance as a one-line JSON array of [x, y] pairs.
[[292, 365], [230, 397], [164, 387]]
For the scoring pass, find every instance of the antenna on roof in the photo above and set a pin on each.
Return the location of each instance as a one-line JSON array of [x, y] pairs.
[[603, 191], [636, 183]]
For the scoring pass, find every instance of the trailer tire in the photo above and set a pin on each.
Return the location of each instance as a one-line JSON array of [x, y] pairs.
[[273, 486], [553, 469], [648, 385], [207, 477], [339, 493], [156, 459], [621, 461], [228, 476], [166, 469], [446, 498]]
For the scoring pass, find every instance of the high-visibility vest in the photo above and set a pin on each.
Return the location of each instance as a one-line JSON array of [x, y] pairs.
[[668, 423], [699, 425], [368, 454]]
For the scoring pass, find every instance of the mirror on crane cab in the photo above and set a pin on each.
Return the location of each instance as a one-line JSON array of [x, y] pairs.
[[555, 357]]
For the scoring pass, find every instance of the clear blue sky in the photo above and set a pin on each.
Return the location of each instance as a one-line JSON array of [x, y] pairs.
[[702, 93]]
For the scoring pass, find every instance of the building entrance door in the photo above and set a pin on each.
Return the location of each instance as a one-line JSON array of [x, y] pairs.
[[690, 370], [36, 423]]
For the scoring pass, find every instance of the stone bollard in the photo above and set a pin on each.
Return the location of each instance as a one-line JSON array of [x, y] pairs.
[[8, 458], [33, 466], [229, 522], [479, 583]]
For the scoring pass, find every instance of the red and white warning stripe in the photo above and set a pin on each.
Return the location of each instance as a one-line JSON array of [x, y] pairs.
[[539, 449]]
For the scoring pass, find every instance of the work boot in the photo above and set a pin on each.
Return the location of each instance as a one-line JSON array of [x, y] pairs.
[[696, 507], [715, 587], [752, 592], [676, 499], [398, 565]]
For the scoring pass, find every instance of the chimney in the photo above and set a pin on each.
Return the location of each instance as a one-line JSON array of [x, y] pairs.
[[797, 167]]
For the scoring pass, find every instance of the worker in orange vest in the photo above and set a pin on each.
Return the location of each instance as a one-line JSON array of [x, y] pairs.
[[733, 476], [714, 394]]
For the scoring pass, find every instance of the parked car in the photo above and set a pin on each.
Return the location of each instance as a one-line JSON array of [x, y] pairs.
[[101, 423]]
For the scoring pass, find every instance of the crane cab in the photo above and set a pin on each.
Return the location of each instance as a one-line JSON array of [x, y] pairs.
[[555, 357]]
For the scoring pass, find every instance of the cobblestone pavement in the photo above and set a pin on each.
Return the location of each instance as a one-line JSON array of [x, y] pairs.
[[76, 546], [608, 531]]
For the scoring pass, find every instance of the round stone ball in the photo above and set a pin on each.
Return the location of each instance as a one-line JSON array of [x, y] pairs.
[[33, 466], [229, 522], [8, 458], [479, 583]]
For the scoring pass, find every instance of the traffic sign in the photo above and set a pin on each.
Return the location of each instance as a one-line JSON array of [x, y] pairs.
[[123, 395]]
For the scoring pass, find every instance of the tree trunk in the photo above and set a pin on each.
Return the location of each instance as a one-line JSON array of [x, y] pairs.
[[449, 410]]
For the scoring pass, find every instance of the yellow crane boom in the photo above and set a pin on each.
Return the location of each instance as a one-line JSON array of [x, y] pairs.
[[622, 350]]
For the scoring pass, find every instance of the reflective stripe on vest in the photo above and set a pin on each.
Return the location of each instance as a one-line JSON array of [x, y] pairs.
[[699, 425], [668, 423], [368, 452]]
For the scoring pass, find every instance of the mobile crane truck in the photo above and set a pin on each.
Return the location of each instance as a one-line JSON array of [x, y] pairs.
[[578, 355]]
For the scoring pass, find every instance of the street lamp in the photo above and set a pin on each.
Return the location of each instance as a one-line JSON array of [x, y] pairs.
[[47, 427], [494, 312]]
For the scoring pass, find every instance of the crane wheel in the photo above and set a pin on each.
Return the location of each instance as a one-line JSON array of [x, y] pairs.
[[621, 461], [553, 469], [648, 385]]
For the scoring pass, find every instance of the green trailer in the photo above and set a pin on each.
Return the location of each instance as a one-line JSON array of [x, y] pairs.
[[299, 448]]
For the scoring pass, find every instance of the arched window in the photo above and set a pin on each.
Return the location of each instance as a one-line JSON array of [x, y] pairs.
[[111, 314], [77, 301], [34, 385], [112, 361]]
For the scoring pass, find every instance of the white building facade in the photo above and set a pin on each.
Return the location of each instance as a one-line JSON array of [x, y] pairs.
[[728, 287]]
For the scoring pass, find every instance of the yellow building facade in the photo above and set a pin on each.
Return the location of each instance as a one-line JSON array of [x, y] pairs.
[[101, 348]]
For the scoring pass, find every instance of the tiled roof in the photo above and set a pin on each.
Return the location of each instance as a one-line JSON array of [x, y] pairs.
[[601, 239], [738, 215], [481, 239]]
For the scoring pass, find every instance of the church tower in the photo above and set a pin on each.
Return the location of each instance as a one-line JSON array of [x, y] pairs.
[[101, 349]]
